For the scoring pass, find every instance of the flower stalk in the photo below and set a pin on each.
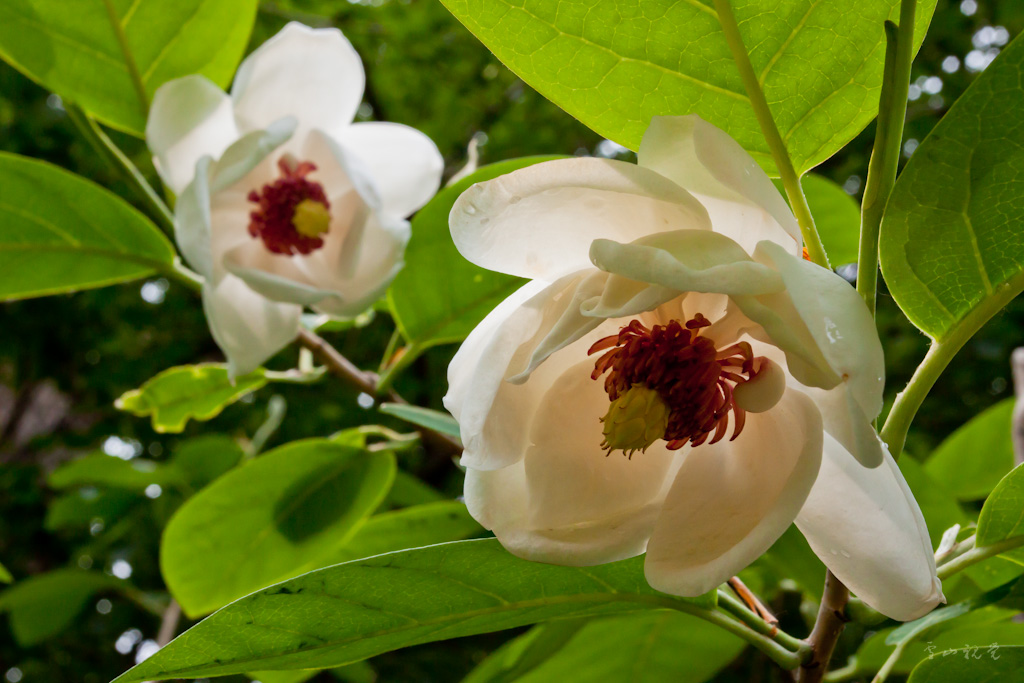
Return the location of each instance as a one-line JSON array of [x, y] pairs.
[[790, 179]]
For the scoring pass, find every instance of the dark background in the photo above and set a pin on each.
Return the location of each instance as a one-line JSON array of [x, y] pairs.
[[64, 359]]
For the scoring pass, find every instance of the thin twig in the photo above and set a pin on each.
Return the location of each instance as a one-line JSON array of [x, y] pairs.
[[366, 382], [827, 628], [752, 600], [169, 623]]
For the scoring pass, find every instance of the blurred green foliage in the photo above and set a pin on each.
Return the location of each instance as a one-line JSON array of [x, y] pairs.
[[64, 360]]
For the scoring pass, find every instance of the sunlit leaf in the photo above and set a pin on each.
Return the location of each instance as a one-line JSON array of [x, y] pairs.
[[187, 392], [62, 233], [614, 65], [74, 50], [1001, 517], [352, 611], [264, 522], [951, 243]]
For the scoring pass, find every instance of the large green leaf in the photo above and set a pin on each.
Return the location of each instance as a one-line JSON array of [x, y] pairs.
[[1002, 664], [187, 392], [264, 522], [62, 233], [42, 606], [938, 505], [439, 296], [74, 50], [360, 609], [1002, 516], [100, 469], [972, 460], [874, 652], [648, 647], [614, 65], [951, 242]]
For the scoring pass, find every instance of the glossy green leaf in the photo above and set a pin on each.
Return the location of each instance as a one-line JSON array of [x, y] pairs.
[[951, 242], [412, 527], [1002, 664], [614, 65], [434, 420], [187, 392], [1003, 513], [356, 610], [439, 296], [264, 522], [62, 233], [408, 490], [647, 647], [77, 54], [972, 460], [297, 676], [521, 655], [42, 606]]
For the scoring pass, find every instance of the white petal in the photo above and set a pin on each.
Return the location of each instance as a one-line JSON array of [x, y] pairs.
[[568, 502], [539, 221], [731, 500], [866, 526], [248, 328], [312, 74], [742, 201], [190, 118], [221, 185], [404, 163], [838, 320], [687, 261]]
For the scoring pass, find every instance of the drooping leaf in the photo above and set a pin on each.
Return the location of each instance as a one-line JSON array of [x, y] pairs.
[[100, 469], [43, 605], [423, 417], [614, 65], [648, 647], [952, 251], [186, 392], [1004, 664], [439, 296], [77, 54], [62, 233], [1002, 516], [266, 521], [352, 611], [412, 527], [972, 460]]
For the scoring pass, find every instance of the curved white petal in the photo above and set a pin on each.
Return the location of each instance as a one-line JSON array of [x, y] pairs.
[[247, 327], [190, 118], [866, 526], [731, 500], [838, 320], [845, 420], [312, 74], [539, 221], [404, 163], [568, 502], [223, 184], [687, 261], [741, 200]]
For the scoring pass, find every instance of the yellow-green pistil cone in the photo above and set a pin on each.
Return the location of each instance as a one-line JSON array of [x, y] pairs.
[[635, 420], [311, 218]]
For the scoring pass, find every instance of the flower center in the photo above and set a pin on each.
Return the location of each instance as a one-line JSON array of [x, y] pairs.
[[670, 383], [292, 212]]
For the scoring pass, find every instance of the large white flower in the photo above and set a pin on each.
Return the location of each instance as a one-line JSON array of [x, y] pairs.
[[284, 202], [679, 327]]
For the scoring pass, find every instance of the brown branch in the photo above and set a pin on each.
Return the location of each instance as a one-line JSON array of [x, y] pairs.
[[169, 623], [1017, 365], [753, 602], [345, 370], [827, 628]]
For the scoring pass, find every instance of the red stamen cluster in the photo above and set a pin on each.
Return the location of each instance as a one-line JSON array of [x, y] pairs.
[[272, 221], [694, 378]]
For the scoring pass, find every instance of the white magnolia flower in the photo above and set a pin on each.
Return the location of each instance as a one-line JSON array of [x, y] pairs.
[[678, 327], [284, 202]]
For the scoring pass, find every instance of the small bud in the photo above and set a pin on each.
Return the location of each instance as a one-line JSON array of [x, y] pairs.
[[635, 420], [311, 218]]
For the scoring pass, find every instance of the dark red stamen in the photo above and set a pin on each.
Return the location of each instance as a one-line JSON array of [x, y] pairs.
[[272, 220], [694, 378]]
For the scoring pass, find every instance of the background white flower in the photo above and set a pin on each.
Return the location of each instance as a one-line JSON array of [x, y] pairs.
[[284, 202], [794, 375]]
